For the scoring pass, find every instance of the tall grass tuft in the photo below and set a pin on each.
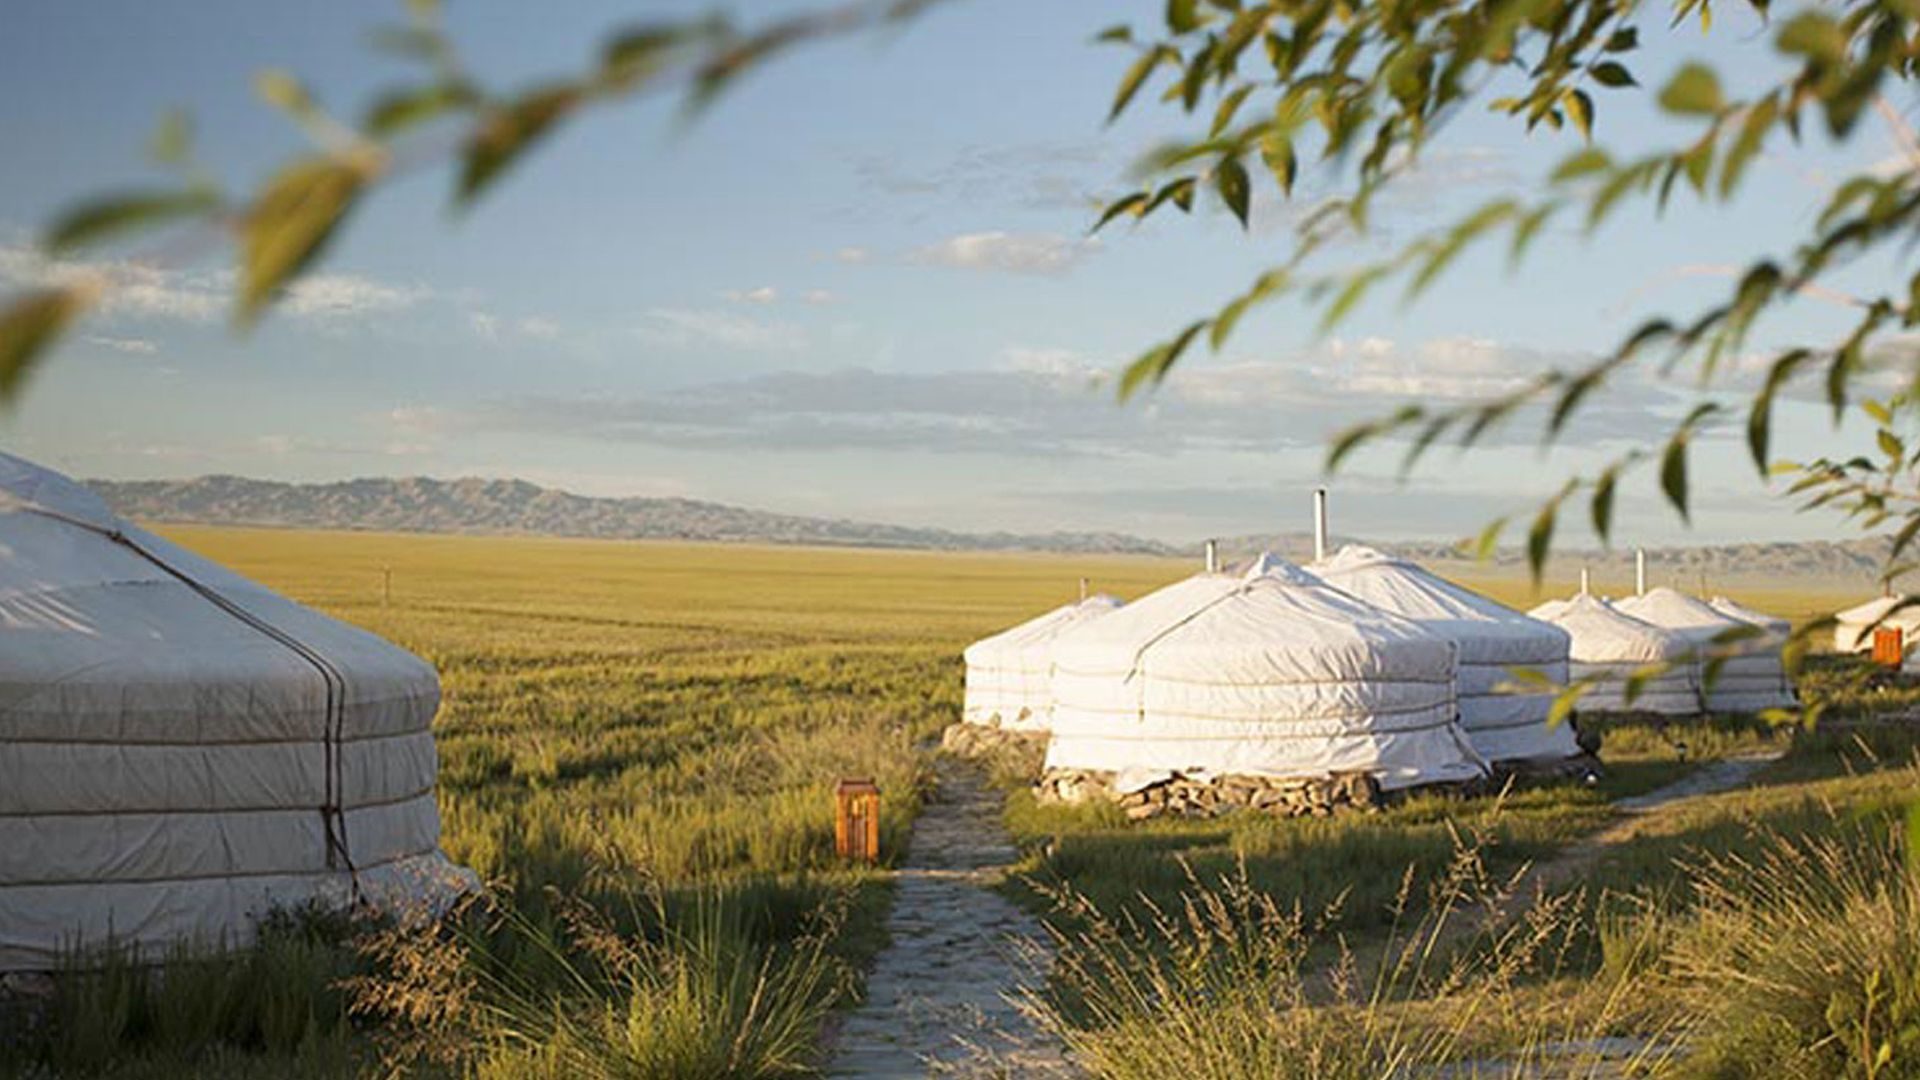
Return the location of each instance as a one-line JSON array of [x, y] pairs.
[[1231, 984], [687, 987], [1804, 959]]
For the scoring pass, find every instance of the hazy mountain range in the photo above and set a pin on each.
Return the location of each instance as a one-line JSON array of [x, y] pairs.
[[517, 507]]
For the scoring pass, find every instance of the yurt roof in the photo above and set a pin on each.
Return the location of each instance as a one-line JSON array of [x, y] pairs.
[[1406, 588], [1737, 610], [1675, 610], [1040, 629], [100, 613], [1603, 634], [1879, 608], [1275, 616]]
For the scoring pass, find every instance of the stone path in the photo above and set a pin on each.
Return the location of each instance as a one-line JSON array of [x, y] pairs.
[[1723, 775], [937, 997]]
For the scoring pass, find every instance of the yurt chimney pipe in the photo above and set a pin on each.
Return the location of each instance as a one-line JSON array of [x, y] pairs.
[[1319, 524], [1083, 590], [1586, 582], [1640, 571], [1213, 556]]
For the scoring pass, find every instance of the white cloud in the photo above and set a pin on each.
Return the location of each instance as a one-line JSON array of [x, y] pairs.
[[144, 290], [487, 326], [347, 295], [686, 326], [819, 296], [853, 256], [1048, 254], [537, 326], [124, 344], [765, 294]]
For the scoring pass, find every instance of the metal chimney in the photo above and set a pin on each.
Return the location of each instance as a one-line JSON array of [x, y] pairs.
[[1213, 556], [1083, 590], [1319, 524], [1586, 582], [1640, 571]]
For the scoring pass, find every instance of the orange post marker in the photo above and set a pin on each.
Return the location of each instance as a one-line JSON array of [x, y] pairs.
[[856, 821], [1889, 646]]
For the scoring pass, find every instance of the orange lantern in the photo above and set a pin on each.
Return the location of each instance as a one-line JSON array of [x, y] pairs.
[[856, 822], [1889, 648]]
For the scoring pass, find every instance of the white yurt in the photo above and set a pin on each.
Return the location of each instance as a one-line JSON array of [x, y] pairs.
[[182, 750], [1853, 628], [1610, 646], [1267, 673], [1494, 640], [1548, 611], [1772, 624], [1751, 677], [1007, 673]]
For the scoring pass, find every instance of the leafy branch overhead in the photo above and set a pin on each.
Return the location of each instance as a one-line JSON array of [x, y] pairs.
[[282, 230], [1362, 89]]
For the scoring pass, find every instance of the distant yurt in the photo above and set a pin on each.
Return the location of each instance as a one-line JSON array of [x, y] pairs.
[[1610, 646], [1494, 640], [1548, 611], [1853, 628], [1750, 679], [1007, 673], [182, 751], [1772, 624], [1267, 673]]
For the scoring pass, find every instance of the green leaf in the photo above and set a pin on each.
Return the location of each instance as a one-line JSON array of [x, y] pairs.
[[1119, 33], [1230, 104], [1602, 505], [1753, 132], [1693, 91], [1623, 40], [1489, 539], [1612, 74], [1877, 411], [284, 92], [1129, 204], [1540, 539], [1183, 16], [172, 141], [1153, 365], [506, 133], [30, 325], [289, 225], [109, 216], [1815, 36], [1564, 703], [1673, 472], [402, 109], [1230, 180], [636, 54], [1580, 111], [1891, 446], [1135, 77]]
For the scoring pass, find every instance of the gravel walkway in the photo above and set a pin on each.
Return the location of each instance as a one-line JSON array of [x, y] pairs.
[[937, 997]]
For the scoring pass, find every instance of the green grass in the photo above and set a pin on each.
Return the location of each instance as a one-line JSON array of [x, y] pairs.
[[638, 746], [650, 730]]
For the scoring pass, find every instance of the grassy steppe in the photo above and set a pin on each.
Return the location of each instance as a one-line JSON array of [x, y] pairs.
[[643, 738]]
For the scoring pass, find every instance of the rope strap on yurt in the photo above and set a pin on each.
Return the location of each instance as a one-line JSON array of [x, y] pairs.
[[333, 818]]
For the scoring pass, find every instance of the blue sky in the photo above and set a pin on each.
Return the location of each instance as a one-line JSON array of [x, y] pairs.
[[861, 286]]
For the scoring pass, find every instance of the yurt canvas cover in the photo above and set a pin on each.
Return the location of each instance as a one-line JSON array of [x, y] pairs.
[[1749, 679], [1272, 673], [1493, 640], [1610, 646], [1853, 628], [182, 750], [1007, 673], [1772, 624]]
